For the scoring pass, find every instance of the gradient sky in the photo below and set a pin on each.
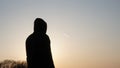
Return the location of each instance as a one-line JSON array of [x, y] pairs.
[[83, 33]]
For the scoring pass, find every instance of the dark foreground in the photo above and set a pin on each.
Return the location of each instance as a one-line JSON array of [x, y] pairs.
[[13, 64]]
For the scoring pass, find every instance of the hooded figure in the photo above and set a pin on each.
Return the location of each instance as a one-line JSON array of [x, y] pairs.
[[38, 47]]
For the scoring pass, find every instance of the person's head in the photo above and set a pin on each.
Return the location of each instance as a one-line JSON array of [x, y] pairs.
[[40, 26]]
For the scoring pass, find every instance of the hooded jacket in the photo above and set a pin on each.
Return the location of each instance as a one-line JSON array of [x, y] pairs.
[[38, 47]]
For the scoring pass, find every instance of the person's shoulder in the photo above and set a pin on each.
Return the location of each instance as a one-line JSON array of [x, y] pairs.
[[46, 37], [30, 36]]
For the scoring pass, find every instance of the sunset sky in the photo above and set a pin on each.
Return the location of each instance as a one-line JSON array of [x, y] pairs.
[[83, 33]]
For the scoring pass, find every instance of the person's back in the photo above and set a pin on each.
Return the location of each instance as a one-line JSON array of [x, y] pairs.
[[38, 47]]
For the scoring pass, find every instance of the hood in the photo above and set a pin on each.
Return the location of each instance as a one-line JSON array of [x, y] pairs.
[[40, 26]]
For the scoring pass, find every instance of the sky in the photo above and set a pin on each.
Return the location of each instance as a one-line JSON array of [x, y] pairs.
[[83, 33]]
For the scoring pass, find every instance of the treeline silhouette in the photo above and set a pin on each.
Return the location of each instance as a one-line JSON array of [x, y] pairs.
[[13, 64]]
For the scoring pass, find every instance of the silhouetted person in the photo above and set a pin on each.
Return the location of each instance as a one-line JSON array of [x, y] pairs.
[[38, 47]]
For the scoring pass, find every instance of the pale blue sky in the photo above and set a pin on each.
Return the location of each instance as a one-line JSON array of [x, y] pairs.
[[81, 31]]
